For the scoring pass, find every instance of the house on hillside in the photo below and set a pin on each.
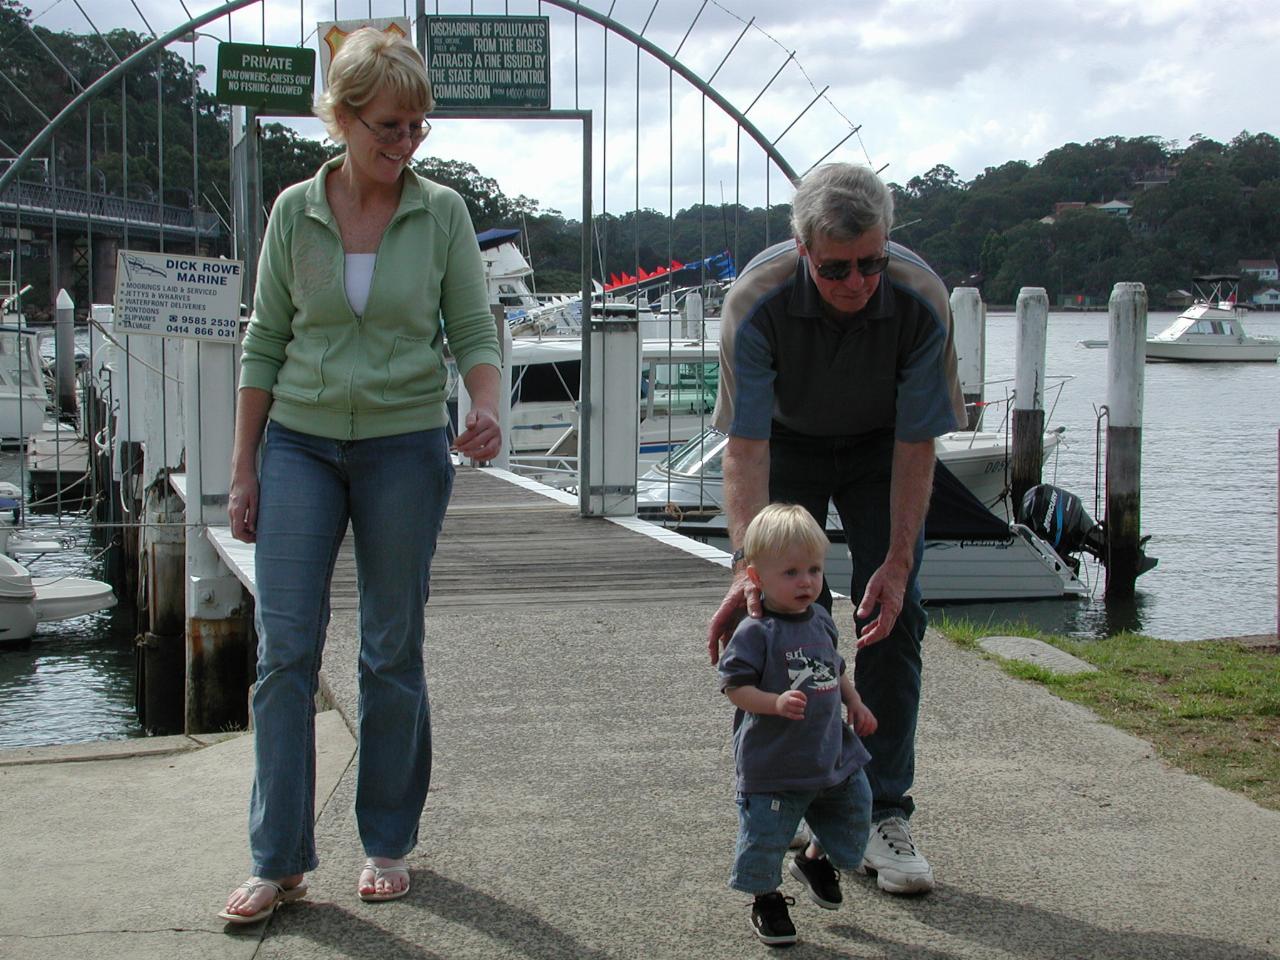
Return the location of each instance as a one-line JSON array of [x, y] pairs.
[[1266, 271], [1268, 299], [1117, 208], [1154, 177]]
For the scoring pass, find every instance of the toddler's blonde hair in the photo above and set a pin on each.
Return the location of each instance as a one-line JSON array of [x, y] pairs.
[[780, 527]]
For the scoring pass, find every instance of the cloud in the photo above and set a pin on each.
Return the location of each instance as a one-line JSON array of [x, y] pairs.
[[968, 83]]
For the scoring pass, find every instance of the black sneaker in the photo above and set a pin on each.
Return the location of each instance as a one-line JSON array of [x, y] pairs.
[[770, 920], [820, 878]]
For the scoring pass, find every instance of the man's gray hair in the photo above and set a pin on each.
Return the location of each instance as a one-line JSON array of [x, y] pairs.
[[840, 201]]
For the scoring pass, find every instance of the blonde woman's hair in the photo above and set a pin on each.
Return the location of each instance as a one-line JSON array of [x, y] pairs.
[[780, 527], [369, 62]]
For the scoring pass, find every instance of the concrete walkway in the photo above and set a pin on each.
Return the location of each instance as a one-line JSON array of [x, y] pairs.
[[582, 807], [582, 798]]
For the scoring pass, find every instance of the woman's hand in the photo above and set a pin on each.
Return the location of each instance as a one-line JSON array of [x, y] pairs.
[[482, 438], [242, 508]]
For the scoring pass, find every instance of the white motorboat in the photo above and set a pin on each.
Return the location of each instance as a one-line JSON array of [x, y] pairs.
[[679, 380], [24, 398], [692, 477], [509, 278], [1210, 330], [678, 395], [27, 601], [970, 553]]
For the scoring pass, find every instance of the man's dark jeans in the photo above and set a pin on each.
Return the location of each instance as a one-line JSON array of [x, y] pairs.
[[854, 473]]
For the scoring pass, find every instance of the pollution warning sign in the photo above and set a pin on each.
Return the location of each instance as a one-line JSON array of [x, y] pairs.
[[498, 63], [174, 295]]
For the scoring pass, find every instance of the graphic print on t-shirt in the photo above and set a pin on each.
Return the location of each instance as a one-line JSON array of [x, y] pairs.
[[802, 667]]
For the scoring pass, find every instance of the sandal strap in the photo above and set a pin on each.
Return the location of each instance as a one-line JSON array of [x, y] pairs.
[[381, 872], [253, 884]]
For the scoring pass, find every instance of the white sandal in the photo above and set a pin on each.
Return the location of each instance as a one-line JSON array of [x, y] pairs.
[[380, 873], [252, 886]]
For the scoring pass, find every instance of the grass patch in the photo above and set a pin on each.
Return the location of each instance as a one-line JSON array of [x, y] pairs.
[[1211, 707]]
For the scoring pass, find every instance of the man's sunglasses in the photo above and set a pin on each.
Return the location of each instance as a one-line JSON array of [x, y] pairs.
[[389, 133], [840, 269]]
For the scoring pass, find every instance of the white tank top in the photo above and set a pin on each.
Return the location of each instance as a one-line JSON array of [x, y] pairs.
[[357, 278]]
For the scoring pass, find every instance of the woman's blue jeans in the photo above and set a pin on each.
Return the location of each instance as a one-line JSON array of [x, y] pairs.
[[393, 491], [854, 473]]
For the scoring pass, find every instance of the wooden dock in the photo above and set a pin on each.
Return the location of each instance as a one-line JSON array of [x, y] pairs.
[[509, 542], [505, 545]]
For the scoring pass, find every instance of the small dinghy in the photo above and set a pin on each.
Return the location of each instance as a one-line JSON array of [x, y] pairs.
[[26, 601]]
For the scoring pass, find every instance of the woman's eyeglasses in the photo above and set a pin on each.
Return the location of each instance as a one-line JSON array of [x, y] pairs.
[[840, 269], [389, 133]]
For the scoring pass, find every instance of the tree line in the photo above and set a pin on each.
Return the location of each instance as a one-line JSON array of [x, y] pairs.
[[1196, 208]]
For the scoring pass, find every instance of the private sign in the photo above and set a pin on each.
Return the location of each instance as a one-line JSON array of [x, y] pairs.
[[275, 80]]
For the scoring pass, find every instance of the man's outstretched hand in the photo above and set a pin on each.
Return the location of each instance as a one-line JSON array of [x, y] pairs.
[[742, 599]]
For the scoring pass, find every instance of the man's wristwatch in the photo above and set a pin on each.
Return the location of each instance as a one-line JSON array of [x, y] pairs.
[[738, 556]]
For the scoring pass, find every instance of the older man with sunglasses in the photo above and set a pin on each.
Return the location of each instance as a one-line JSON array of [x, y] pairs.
[[837, 370]]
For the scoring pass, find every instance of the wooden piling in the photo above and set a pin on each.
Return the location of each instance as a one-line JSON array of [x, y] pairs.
[[609, 443], [161, 618], [1028, 396], [219, 648], [1126, 355], [65, 355], [969, 324]]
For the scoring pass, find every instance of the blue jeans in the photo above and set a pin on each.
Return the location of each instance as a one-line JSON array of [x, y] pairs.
[[854, 473], [839, 816], [393, 491]]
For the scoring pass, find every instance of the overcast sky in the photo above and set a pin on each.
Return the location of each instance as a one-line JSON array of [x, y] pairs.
[[967, 83]]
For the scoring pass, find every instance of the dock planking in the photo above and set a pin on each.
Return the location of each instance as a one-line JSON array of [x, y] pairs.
[[504, 546]]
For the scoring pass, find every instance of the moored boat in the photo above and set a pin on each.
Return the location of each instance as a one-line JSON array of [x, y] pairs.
[[970, 554], [1211, 330]]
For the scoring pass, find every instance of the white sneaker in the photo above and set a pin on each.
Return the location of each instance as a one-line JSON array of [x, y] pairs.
[[892, 856]]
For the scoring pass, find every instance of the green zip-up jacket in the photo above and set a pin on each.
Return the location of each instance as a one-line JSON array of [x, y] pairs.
[[333, 374]]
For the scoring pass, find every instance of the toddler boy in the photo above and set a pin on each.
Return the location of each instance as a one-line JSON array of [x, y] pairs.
[[795, 756]]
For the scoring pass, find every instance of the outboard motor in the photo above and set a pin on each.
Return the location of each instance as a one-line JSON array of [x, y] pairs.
[[1059, 518]]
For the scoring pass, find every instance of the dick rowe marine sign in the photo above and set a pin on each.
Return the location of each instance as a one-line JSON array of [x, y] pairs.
[[178, 296]]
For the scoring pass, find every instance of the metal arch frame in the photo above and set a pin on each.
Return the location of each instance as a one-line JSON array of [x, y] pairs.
[[121, 68], [124, 66], [658, 53], [603, 20]]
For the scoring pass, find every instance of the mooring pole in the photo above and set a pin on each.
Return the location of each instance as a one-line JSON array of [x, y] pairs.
[[969, 323], [1028, 392], [1125, 358], [693, 315], [65, 358], [218, 642]]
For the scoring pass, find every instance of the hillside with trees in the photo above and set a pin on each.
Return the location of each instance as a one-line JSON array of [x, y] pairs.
[[1187, 209]]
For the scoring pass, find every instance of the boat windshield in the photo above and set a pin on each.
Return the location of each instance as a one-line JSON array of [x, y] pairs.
[[682, 387], [702, 456]]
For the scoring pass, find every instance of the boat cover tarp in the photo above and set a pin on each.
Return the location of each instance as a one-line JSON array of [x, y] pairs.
[[496, 237], [718, 266], [956, 514]]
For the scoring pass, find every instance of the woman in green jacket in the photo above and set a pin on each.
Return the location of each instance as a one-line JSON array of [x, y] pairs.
[[365, 271]]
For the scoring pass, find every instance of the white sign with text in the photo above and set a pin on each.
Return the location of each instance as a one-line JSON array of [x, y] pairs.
[[176, 295]]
